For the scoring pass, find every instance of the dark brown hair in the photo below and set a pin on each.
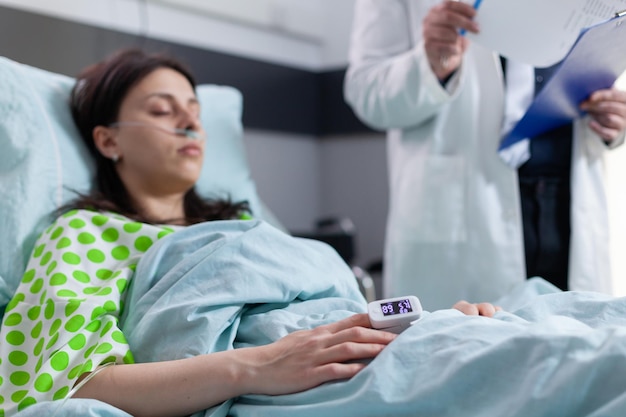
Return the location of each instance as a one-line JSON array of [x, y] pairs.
[[95, 101]]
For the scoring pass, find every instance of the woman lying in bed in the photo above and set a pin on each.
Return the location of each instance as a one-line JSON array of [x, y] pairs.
[[139, 116]]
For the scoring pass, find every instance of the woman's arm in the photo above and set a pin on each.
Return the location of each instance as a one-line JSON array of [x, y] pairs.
[[297, 362]]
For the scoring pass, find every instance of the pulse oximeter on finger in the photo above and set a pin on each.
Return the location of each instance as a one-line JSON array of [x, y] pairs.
[[394, 314]]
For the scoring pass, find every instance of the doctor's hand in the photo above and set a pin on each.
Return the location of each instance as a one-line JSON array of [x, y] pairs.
[[607, 109], [442, 41], [307, 358]]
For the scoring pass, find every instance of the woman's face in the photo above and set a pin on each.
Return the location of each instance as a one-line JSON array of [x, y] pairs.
[[151, 157]]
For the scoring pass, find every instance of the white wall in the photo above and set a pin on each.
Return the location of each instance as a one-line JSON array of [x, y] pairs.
[[325, 23], [286, 168], [303, 178], [354, 184], [299, 33], [336, 31]]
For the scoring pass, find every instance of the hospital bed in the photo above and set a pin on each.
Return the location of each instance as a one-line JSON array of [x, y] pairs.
[[549, 354], [46, 163]]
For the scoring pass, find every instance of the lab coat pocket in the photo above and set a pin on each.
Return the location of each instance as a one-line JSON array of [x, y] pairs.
[[432, 201]]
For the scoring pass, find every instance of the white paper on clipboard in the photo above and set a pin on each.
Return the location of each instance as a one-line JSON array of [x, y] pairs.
[[538, 32], [594, 63]]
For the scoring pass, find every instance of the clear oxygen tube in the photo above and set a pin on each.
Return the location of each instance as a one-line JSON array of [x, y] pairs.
[[188, 133]]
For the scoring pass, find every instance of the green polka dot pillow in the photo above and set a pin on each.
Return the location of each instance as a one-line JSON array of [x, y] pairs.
[[42, 158]]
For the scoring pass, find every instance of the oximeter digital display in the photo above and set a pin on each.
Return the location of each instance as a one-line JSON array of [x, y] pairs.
[[394, 314], [390, 308]]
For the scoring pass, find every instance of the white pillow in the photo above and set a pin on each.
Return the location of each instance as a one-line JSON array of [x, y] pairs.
[[42, 158]]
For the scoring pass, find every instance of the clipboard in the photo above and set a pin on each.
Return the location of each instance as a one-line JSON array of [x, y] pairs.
[[595, 62]]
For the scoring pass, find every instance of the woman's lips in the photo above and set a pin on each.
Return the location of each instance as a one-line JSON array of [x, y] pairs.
[[190, 150]]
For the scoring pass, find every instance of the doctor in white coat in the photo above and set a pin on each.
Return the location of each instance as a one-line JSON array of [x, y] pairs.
[[454, 229]]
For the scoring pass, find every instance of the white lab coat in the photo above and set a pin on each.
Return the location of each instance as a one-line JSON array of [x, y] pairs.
[[454, 229]]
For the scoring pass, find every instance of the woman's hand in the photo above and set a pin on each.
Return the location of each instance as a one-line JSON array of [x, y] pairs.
[[442, 41], [298, 361], [607, 109], [307, 358], [480, 309]]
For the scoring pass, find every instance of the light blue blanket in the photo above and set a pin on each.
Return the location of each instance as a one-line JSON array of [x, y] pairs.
[[224, 285]]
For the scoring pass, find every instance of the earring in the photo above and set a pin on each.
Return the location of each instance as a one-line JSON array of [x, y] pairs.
[[115, 158]]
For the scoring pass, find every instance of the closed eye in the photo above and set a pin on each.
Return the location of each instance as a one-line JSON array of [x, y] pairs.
[[160, 113], [164, 105]]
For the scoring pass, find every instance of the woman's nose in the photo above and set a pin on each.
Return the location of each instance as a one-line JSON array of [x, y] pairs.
[[191, 120], [190, 124]]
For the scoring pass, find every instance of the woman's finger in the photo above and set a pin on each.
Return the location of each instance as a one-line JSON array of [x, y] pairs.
[[480, 309], [348, 352], [355, 320], [486, 309]]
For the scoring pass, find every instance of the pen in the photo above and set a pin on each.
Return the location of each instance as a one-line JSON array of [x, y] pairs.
[[620, 14], [476, 5]]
